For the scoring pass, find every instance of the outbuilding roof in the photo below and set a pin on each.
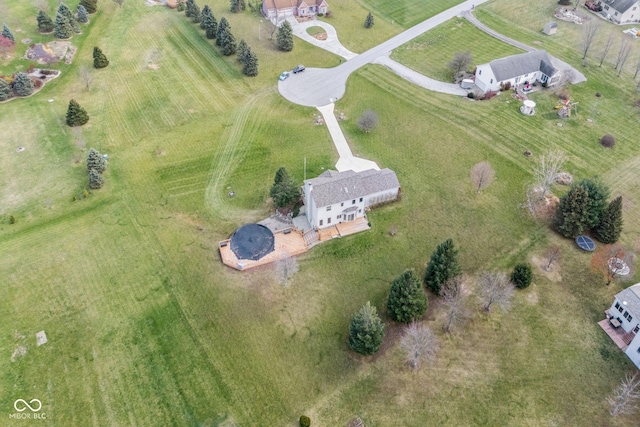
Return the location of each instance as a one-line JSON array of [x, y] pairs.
[[334, 187], [521, 64], [631, 296]]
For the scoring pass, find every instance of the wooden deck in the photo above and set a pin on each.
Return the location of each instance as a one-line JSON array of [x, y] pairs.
[[617, 335], [291, 244]]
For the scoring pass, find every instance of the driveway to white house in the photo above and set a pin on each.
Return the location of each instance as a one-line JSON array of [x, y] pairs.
[[322, 86]]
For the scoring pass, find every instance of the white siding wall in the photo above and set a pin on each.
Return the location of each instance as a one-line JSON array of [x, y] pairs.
[[633, 351], [615, 312], [381, 197], [484, 76]]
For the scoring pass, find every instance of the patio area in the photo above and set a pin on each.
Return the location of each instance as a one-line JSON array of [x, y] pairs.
[[617, 335]]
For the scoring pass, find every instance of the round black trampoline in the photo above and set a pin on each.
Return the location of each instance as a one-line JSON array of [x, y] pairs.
[[252, 241]]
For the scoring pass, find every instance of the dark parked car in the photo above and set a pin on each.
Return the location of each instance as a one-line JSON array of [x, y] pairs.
[[298, 69]]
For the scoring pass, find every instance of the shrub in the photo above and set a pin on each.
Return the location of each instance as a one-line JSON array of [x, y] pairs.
[[96, 180], [488, 95], [99, 59], [76, 115], [564, 2], [522, 275], [305, 421], [368, 121], [471, 95], [608, 141], [5, 90], [12, 219]]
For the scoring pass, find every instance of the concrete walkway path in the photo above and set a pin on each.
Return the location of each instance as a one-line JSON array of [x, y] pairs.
[[347, 160], [420, 79], [331, 43]]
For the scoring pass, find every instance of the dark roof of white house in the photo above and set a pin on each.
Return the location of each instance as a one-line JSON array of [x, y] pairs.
[[334, 187], [521, 64], [632, 297], [620, 5]]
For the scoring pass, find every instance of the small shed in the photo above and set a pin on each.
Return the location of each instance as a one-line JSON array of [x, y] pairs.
[[550, 28]]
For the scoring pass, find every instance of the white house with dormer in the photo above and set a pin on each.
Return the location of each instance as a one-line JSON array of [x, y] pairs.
[[276, 9], [624, 314], [336, 197], [517, 70], [621, 11]]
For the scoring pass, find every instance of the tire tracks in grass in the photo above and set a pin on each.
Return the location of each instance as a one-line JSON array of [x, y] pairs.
[[236, 141]]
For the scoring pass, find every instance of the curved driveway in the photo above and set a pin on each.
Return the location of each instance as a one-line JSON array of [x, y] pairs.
[[322, 86]]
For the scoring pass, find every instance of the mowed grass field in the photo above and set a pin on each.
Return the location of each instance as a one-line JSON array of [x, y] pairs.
[[145, 325]]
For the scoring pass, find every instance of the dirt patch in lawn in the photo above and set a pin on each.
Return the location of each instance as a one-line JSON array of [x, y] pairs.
[[48, 53], [554, 275]]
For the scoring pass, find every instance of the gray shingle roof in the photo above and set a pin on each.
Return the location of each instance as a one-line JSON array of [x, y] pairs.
[[632, 296], [521, 64], [334, 187], [620, 5]]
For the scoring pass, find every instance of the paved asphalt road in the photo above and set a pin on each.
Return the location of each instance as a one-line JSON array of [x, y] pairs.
[[321, 86]]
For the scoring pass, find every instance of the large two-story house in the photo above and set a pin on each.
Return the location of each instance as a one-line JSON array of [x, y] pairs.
[[282, 8], [621, 11]]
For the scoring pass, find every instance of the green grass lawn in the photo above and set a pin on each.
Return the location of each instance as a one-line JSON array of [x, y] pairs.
[[431, 53], [312, 31], [147, 327], [407, 13]]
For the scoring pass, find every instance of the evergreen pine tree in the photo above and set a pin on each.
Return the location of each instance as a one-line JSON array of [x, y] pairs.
[[76, 115], [99, 59], [181, 6], [522, 275], [22, 85], [96, 180], [242, 51], [229, 47], [196, 15], [284, 191], [205, 14], [610, 227], [442, 266], [83, 15], [6, 32], [5, 90], [90, 5], [62, 28], [368, 22], [407, 301], [284, 37], [598, 194], [366, 330], [45, 23], [223, 29], [211, 26], [250, 66], [235, 6], [96, 161], [63, 9], [189, 8], [572, 213]]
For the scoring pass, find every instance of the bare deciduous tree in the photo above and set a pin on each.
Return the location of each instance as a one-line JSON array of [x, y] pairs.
[[589, 33], [625, 397], [454, 304], [614, 262], [86, 76], [495, 288], [606, 48], [547, 170], [623, 54], [368, 121], [286, 267], [482, 175], [460, 62], [552, 254], [420, 345]]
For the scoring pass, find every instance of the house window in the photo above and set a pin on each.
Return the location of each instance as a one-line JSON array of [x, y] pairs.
[[479, 72], [353, 202], [617, 304], [329, 220], [638, 349], [360, 199], [339, 216], [636, 329], [615, 14], [491, 81], [328, 208], [620, 308], [320, 223], [341, 204]]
